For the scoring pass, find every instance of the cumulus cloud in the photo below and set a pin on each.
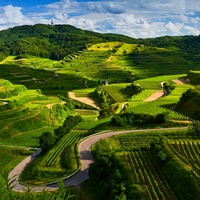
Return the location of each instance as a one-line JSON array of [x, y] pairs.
[[138, 18], [10, 14]]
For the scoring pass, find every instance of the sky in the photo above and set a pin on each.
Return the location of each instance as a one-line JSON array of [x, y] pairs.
[[134, 18]]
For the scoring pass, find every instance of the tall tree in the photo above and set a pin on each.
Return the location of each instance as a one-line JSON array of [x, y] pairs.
[[46, 140]]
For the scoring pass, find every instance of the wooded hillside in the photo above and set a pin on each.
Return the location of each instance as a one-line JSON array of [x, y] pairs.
[[57, 41]]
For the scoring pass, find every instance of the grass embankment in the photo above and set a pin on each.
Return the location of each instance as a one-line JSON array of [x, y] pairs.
[[10, 156]]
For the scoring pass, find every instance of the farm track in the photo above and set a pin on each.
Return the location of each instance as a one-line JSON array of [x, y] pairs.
[[52, 104], [85, 158], [181, 81], [156, 95], [85, 100]]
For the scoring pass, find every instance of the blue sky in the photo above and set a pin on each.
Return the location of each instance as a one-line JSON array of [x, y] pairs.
[[135, 18]]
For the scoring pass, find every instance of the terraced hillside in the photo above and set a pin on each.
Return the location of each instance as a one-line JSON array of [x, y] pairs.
[[34, 99], [23, 111], [114, 62]]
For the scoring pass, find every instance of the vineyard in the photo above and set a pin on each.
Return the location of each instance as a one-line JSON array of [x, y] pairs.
[[177, 116], [142, 95], [134, 150], [52, 157], [154, 108], [144, 172], [87, 112], [114, 94], [188, 150], [118, 63]]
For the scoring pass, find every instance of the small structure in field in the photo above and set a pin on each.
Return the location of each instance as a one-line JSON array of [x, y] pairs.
[[106, 82]]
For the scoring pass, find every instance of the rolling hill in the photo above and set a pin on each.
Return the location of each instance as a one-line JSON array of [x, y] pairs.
[[126, 78]]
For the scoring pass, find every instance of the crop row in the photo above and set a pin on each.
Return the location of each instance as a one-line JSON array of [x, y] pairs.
[[143, 170], [129, 143], [188, 150], [175, 115], [132, 142], [52, 157], [114, 94], [154, 108]]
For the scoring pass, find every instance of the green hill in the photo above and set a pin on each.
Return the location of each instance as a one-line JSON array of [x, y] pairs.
[[57, 41], [23, 110], [41, 64], [190, 100], [47, 41]]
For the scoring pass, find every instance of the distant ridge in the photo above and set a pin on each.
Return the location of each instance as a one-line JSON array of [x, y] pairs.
[[56, 41]]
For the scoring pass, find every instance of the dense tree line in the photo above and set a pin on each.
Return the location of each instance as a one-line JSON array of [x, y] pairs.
[[194, 130], [168, 87], [132, 119], [194, 77], [104, 101]]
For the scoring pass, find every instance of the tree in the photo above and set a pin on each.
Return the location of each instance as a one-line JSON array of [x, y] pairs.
[[160, 118], [194, 129], [46, 140], [68, 124]]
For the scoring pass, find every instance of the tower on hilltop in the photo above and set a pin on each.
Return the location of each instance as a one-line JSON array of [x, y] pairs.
[[52, 19], [52, 22]]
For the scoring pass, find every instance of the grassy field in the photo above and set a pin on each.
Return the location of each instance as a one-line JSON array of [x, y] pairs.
[[27, 138], [10, 156]]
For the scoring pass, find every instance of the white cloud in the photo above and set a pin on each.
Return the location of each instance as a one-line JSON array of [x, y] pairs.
[[174, 28], [191, 30], [60, 16], [138, 18], [10, 14]]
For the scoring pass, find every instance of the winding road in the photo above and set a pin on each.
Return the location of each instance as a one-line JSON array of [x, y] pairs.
[[85, 158]]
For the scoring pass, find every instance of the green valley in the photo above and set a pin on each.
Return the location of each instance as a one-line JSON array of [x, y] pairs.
[[60, 85]]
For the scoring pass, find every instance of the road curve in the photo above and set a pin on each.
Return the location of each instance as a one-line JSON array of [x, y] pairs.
[[85, 159]]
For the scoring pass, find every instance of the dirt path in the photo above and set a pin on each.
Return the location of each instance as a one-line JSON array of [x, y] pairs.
[[51, 105], [181, 81], [161, 93], [85, 100], [155, 95]]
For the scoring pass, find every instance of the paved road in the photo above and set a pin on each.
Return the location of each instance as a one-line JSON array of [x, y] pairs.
[[85, 158]]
